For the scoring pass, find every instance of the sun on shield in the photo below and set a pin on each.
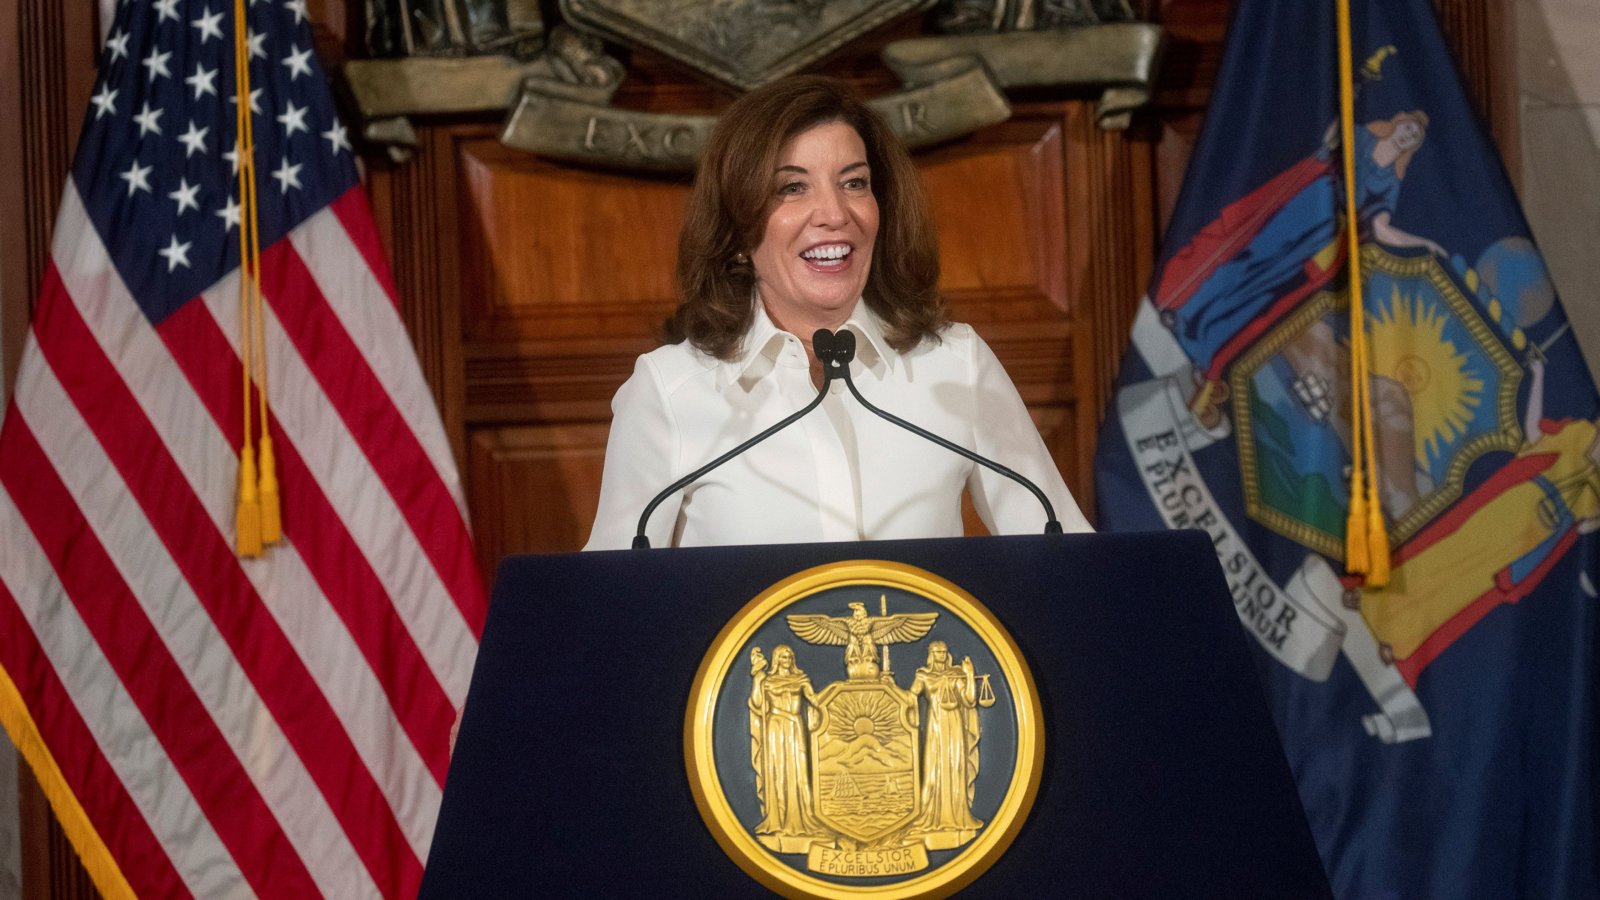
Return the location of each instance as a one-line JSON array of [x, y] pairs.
[[1444, 391], [864, 759]]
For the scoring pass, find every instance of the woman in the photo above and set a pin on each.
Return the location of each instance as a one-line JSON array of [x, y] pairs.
[[778, 753], [1267, 252], [950, 751], [807, 213]]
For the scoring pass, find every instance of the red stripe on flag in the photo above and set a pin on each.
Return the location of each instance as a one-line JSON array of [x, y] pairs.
[[211, 568], [104, 798], [371, 417], [111, 612], [311, 524], [355, 214]]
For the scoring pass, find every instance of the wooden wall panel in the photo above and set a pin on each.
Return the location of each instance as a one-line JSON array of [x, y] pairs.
[[552, 251], [538, 484], [48, 50]]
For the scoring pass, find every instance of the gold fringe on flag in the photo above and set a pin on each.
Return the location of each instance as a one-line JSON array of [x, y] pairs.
[[1366, 536], [92, 851]]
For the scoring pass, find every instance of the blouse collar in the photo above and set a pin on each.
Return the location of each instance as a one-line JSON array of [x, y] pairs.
[[763, 344]]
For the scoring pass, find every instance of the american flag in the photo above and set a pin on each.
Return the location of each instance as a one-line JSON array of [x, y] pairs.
[[204, 724]]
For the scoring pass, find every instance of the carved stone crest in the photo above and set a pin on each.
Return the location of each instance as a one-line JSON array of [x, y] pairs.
[[557, 81], [742, 43]]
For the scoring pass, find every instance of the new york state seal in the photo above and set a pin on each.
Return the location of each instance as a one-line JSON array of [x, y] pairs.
[[864, 729]]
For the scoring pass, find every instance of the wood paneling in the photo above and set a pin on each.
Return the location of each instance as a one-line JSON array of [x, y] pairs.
[[537, 483], [47, 65]]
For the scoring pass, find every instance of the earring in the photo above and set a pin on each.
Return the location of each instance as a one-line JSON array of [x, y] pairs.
[[741, 259]]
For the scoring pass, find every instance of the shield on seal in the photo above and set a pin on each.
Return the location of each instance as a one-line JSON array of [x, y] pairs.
[[864, 750]]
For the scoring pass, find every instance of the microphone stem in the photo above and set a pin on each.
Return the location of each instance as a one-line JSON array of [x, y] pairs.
[[1051, 526]]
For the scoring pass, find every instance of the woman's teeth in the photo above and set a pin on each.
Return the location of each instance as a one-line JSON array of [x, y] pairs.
[[830, 253]]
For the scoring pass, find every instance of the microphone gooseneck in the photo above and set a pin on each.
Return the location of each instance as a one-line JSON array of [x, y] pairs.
[[825, 344], [842, 349]]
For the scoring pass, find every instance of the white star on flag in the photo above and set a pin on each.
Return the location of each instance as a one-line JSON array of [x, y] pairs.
[[208, 25], [255, 100], [176, 254], [118, 44], [288, 176], [104, 101], [156, 62], [203, 81], [298, 63], [194, 140], [336, 138], [293, 119], [137, 177], [149, 120], [229, 214], [168, 10], [185, 195]]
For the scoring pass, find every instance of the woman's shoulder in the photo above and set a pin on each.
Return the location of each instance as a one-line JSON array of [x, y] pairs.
[[953, 342], [673, 365]]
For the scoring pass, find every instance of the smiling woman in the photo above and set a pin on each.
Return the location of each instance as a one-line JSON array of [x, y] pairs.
[[807, 213]]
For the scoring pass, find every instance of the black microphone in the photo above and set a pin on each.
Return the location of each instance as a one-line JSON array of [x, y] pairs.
[[842, 349], [825, 344]]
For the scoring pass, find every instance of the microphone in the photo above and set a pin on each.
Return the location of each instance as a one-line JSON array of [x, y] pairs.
[[825, 344], [842, 350]]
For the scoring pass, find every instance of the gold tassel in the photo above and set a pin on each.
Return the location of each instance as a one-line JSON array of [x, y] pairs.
[[1377, 533], [1377, 550], [1355, 534], [271, 521], [247, 516]]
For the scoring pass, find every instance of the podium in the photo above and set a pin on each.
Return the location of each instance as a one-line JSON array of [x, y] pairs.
[[1162, 773]]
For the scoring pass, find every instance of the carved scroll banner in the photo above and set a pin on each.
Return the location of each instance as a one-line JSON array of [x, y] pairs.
[[1122, 56], [551, 120]]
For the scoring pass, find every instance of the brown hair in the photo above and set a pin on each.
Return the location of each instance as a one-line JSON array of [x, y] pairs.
[[733, 196]]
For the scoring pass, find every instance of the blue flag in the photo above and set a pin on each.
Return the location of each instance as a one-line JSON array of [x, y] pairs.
[[1439, 727]]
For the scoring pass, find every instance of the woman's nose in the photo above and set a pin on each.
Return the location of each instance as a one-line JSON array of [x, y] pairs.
[[831, 209]]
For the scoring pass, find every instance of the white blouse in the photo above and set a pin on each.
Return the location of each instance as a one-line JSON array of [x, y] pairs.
[[840, 473]]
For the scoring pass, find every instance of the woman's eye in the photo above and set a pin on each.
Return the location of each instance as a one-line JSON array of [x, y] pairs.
[[856, 184], [793, 187]]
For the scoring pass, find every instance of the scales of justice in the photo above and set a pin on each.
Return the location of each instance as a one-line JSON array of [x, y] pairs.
[[855, 775]]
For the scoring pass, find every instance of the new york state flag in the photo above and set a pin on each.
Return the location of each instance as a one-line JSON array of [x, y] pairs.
[[1439, 726]]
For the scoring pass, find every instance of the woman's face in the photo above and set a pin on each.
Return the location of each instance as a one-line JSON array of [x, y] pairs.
[[813, 259], [1407, 134]]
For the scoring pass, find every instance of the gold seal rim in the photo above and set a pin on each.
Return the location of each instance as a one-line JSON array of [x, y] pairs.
[[754, 859]]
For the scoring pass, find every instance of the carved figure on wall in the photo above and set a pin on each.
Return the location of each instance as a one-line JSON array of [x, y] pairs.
[[453, 28], [993, 16]]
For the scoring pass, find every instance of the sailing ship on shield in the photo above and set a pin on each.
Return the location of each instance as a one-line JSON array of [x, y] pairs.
[[857, 775]]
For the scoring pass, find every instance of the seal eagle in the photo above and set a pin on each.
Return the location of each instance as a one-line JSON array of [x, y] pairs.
[[861, 634]]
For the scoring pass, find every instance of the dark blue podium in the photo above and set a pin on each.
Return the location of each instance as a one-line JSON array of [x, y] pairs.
[[1163, 776]]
